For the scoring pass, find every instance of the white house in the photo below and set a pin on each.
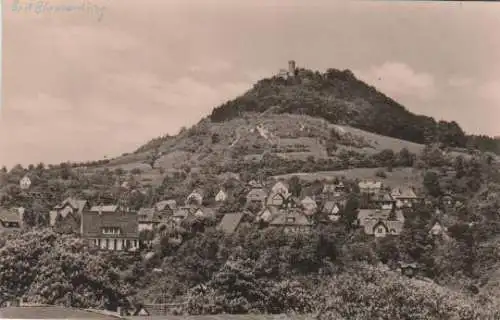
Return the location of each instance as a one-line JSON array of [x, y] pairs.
[[195, 197], [280, 188], [221, 196], [308, 204], [25, 183]]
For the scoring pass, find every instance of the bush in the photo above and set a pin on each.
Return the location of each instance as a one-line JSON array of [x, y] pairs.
[[381, 174]]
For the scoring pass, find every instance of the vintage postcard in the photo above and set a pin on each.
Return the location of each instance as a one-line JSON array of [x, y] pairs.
[[250, 159]]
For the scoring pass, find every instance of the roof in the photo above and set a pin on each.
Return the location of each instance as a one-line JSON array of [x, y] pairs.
[[74, 203], [391, 226], [308, 200], [382, 197], [106, 208], [281, 184], [52, 312], [257, 193], [182, 212], [329, 206], [171, 204], [230, 222], [9, 216], [373, 214], [282, 219], [92, 222], [405, 193], [369, 184]]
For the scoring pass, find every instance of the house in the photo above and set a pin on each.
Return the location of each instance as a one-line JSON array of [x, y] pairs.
[[280, 187], [331, 208], [195, 197], [405, 197], [332, 188], [291, 202], [67, 214], [266, 214], [308, 204], [25, 182], [408, 269], [230, 222], [447, 199], [370, 186], [381, 222], [148, 219], [111, 230], [383, 228], [291, 222], [383, 200], [202, 212], [437, 229], [165, 208], [180, 214], [276, 199], [10, 220], [221, 196], [258, 195]]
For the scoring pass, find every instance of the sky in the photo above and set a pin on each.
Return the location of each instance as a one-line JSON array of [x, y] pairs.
[[103, 80]]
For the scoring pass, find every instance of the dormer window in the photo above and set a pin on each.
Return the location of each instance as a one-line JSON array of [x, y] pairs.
[[111, 230], [290, 219]]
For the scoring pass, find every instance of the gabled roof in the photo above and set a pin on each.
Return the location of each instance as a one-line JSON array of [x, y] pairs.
[[282, 219], [171, 204], [405, 193], [329, 206], [230, 222], [93, 222], [104, 208], [74, 203]]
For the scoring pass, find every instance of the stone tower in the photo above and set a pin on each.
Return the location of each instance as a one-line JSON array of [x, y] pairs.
[[291, 68]]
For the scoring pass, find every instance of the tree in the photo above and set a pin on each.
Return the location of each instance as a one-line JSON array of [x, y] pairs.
[[295, 186], [459, 166], [431, 183], [350, 212], [405, 158]]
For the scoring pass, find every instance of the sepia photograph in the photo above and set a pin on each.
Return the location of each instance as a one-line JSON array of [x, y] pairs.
[[250, 160]]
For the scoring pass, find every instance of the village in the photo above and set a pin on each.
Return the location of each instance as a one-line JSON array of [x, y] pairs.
[[115, 227]]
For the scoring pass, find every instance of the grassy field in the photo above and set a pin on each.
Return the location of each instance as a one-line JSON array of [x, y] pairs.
[[380, 142]]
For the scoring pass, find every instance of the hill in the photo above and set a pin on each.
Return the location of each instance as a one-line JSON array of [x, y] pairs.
[[289, 137], [339, 97]]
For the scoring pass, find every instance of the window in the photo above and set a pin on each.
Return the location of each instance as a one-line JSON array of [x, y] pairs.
[[111, 230], [290, 219], [380, 230]]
